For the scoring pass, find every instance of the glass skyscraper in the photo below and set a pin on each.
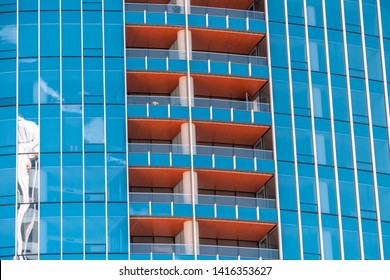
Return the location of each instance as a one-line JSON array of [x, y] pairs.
[[194, 129]]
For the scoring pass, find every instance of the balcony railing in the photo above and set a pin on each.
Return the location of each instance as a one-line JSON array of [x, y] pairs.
[[204, 250], [194, 10], [202, 199], [198, 102], [200, 150], [196, 56]]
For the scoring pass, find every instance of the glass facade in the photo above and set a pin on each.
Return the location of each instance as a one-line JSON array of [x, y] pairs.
[[194, 129]]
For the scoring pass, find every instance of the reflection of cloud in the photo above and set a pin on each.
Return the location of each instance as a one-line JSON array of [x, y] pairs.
[[94, 131], [28, 60], [46, 90], [72, 109], [8, 34], [111, 158]]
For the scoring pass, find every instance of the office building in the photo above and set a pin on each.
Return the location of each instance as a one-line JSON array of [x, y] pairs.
[[194, 129]]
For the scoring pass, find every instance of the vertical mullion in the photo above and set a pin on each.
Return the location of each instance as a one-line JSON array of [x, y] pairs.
[[279, 228], [191, 132], [352, 130], [330, 93], [293, 133], [313, 130], [61, 158], [17, 127], [105, 131], [384, 74], [127, 146], [39, 127], [370, 126], [82, 120]]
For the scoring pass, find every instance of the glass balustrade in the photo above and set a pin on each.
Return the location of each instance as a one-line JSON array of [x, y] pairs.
[[204, 250], [196, 56], [200, 150], [156, 248], [194, 10], [198, 102], [242, 252], [202, 199]]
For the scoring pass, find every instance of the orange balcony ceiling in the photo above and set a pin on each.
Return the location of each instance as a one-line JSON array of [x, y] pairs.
[[208, 228], [155, 177], [143, 129], [203, 39], [145, 226], [210, 132], [213, 132], [233, 230], [204, 85], [230, 4], [148, 1], [227, 4], [221, 180]]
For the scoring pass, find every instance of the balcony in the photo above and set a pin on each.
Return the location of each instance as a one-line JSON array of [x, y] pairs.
[[200, 17], [230, 4], [201, 63], [206, 207], [205, 157], [212, 29], [145, 251], [204, 109]]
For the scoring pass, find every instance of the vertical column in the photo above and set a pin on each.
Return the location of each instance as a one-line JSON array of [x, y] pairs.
[[181, 44], [185, 187], [189, 237], [182, 90]]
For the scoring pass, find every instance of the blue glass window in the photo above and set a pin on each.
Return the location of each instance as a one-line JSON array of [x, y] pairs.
[[287, 188], [320, 95], [317, 49], [314, 13], [347, 192], [370, 240], [374, 62], [331, 237], [49, 228], [276, 10], [367, 195], [297, 46], [50, 175], [310, 234], [278, 44], [343, 144], [336, 52], [95, 228], [340, 98], [355, 55], [333, 14], [352, 21], [351, 238], [304, 139], [300, 93], [362, 145], [295, 11], [290, 235], [72, 177], [370, 17], [283, 139], [381, 149], [323, 142]]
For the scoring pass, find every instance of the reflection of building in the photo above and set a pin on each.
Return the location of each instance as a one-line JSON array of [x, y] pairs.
[[28, 189], [235, 129]]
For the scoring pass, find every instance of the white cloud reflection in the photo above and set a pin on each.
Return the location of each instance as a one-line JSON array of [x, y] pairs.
[[8, 34]]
